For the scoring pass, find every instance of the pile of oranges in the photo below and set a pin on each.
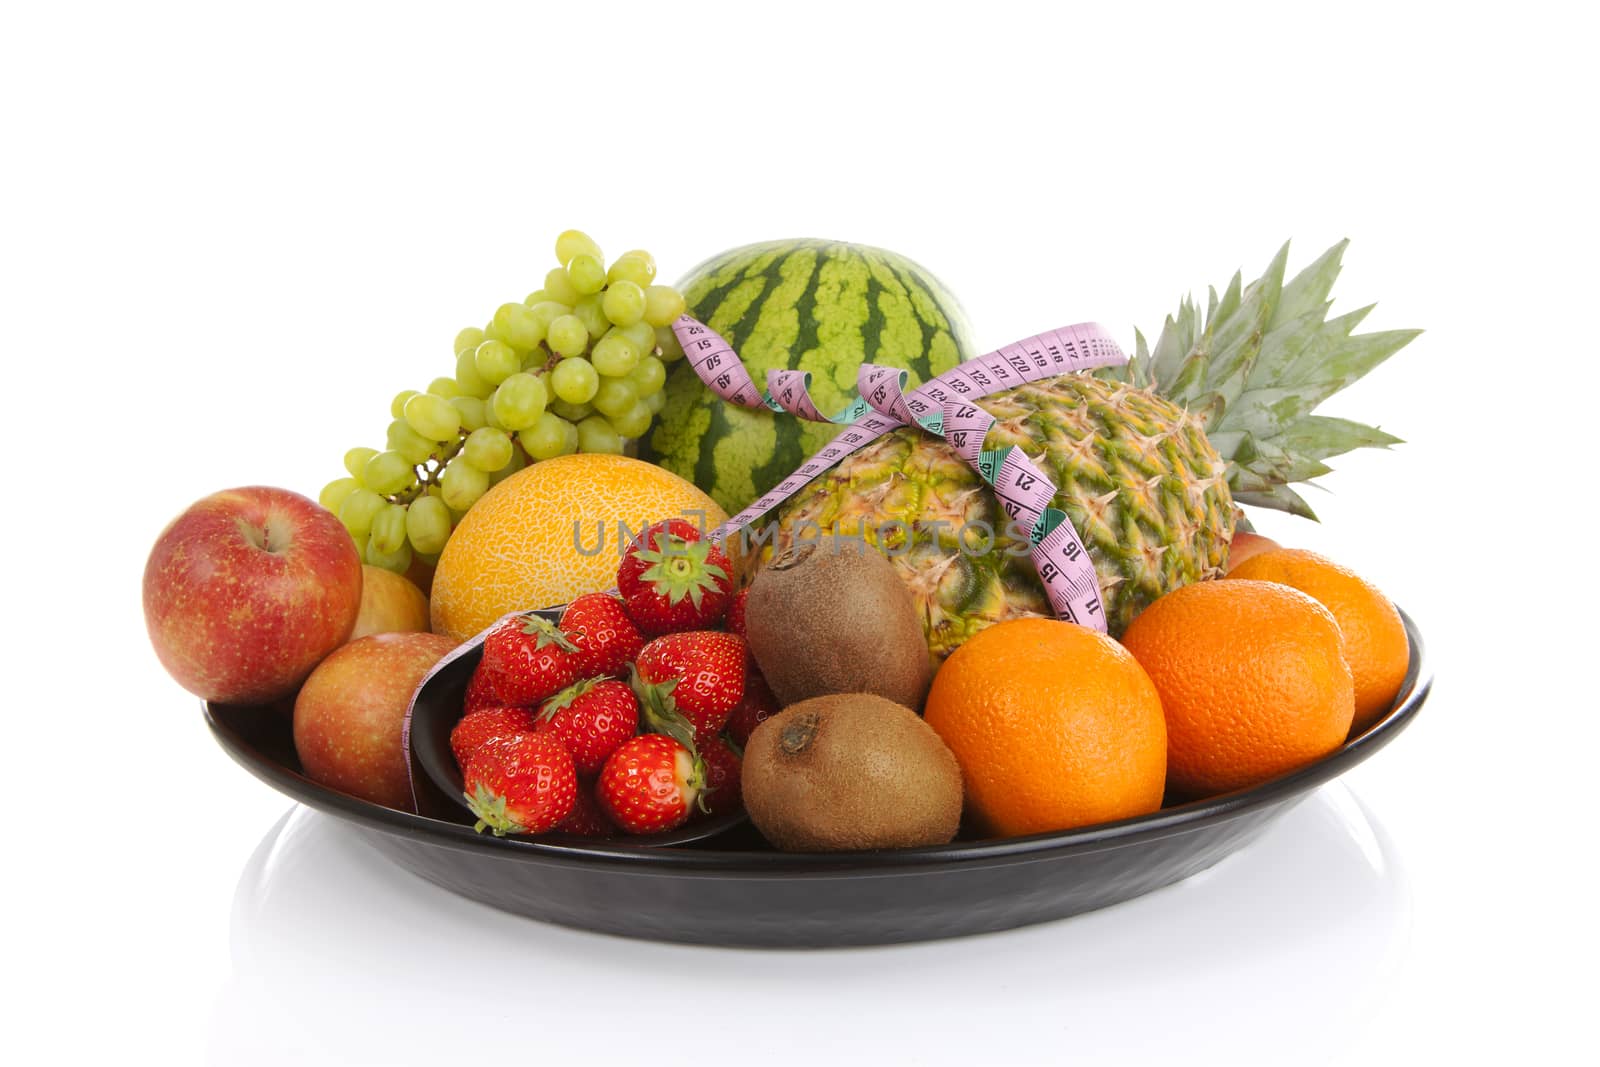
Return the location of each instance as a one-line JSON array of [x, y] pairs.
[[1217, 686]]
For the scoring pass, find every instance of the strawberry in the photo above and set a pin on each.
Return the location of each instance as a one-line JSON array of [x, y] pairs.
[[527, 659], [480, 693], [485, 725], [735, 617], [586, 820], [650, 784], [523, 785], [694, 678], [721, 795], [672, 581], [591, 719], [607, 639], [757, 705]]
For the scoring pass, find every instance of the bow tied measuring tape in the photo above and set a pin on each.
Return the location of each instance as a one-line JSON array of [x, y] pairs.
[[942, 406]]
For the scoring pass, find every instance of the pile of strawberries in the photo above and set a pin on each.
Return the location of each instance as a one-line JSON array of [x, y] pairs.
[[629, 714]]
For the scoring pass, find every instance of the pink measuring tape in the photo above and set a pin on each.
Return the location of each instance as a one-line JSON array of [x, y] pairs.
[[942, 406]]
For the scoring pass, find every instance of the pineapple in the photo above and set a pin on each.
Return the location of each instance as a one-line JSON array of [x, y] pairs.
[[1149, 459]]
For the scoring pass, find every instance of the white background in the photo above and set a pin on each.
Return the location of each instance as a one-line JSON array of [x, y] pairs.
[[230, 234]]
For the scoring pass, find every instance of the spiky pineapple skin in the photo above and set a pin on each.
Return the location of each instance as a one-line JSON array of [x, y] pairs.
[[1135, 474]]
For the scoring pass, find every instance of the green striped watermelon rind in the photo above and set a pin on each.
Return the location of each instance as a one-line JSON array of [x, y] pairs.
[[821, 306]]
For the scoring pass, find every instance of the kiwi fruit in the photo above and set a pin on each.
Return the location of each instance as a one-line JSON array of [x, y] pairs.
[[830, 615], [850, 771]]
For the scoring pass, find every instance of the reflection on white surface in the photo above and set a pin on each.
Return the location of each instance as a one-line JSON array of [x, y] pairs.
[[340, 956]]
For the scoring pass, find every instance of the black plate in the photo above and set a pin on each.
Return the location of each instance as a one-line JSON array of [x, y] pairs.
[[730, 890], [435, 710]]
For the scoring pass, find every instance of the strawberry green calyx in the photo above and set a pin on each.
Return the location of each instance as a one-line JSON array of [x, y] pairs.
[[566, 697], [698, 782], [660, 712], [680, 569], [490, 808], [546, 633]]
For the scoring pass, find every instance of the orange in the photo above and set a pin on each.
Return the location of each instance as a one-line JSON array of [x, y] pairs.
[[1375, 642], [1252, 678], [1054, 726], [1247, 545], [551, 532]]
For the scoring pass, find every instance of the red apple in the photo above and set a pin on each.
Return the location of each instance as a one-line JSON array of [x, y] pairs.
[[1246, 544], [348, 716], [389, 604], [246, 591]]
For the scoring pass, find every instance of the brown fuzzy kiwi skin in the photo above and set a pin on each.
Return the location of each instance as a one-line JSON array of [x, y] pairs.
[[848, 772], [831, 615]]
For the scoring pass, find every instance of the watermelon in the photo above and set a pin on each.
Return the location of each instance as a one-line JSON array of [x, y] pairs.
[[820, 306]]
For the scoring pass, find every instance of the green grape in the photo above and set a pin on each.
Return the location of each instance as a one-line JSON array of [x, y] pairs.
[[519, 401], [642, 334], [428, 524], [487, 449], [623, 302], [516, 464], [558, 287], [336, 492], [538, 296], [551, 436], [398, 561], [638, 267], [596, 435], [587, 274], [546, 312], [355, 461], [472, 410], [462, 484], [573, 412], [444, 388], [662, 305], [517, 323], [431, 415], [491, 332], [397, 406], [656, 401], [361, 548], [358, 511], [633, 422], [567, 336], [388, 472], [649, 376], [496, 361], [468, 381], [389, 529], [572, 243], [592, 315], [667, 342], [489, 417], [574, 380], [614, 396], [408, 442], [614, 356], [468, 339]]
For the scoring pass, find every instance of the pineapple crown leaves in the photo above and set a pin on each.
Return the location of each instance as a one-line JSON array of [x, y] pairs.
[[1254, 367], [548, 709], [490, 808], [547, 633], [679, 568], [661, 714]]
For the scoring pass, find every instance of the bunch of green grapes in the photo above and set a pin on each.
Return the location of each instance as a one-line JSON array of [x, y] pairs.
[[578, 366]]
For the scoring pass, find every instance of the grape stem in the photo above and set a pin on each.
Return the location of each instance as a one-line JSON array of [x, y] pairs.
[[428, 472]]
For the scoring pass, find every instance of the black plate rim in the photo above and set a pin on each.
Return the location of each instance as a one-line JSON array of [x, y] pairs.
[[1168, 822]]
